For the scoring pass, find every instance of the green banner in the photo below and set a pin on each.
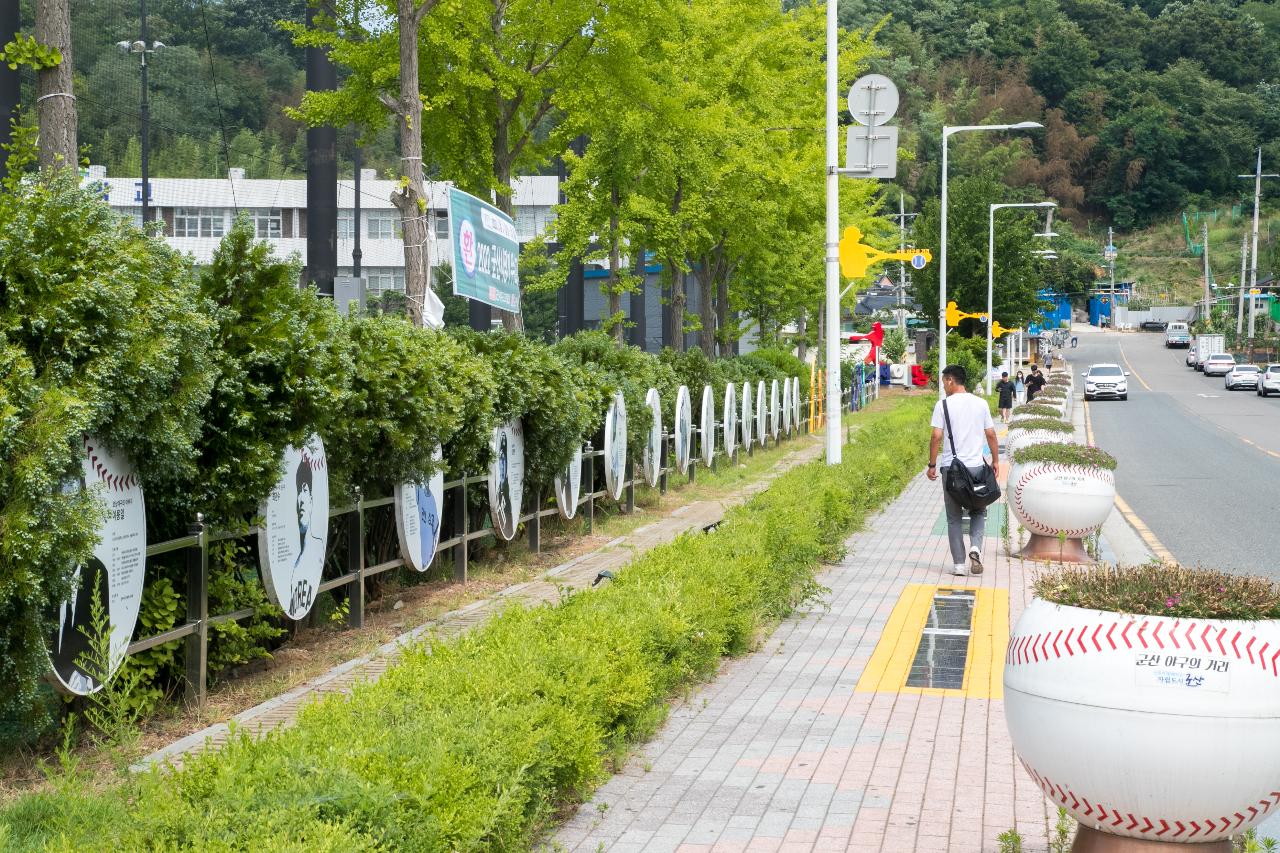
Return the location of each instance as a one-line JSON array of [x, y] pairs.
[[486, 253]]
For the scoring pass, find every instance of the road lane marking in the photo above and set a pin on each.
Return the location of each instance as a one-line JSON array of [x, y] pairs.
[[1132, 369]]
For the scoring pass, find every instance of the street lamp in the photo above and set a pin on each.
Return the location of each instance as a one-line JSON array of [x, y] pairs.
[[141, 49], [991, 267], [947, 133]]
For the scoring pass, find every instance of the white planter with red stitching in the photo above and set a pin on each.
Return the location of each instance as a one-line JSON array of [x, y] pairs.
[[1052, 499], [1147, 726]]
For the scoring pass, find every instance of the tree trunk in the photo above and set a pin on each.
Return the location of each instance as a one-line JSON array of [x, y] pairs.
[[411, 200], [707, 309], [722, 313], [802, 324], [615, 261], [55, 100], [678, 302]]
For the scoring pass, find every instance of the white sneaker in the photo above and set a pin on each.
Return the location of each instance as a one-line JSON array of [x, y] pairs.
[[960, 569]]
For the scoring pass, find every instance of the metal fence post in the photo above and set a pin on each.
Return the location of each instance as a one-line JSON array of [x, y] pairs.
[[663, 460], [355, 563], [196, 653], [631, 485], [460, 519], [591, 488]]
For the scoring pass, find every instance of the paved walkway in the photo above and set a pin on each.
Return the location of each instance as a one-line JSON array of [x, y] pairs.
[[815, 742], [575, 574]]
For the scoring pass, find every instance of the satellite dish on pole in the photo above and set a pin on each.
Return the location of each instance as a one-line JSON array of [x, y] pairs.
[[873, 100]]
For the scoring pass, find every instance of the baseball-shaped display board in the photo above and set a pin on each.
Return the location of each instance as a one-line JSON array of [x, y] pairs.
[[295, 530], [730, 423], [786, 406], [762, 414], [418, 508], [615, 447], [115, 572], [795, 400], [1051, 499], [775, 414], [569, 486], [746, 416], [506, 478], [708, 425], [653, 440], [682, 434]]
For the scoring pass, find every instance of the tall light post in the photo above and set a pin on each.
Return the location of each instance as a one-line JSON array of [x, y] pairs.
[[833, 241], [141, 48], [991, 268], [947, 133], [1253, 260]]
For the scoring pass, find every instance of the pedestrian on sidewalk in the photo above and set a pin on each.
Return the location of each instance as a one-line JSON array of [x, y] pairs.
[[969, 420], [1034, 383], [1005, 389], [1020, 388]]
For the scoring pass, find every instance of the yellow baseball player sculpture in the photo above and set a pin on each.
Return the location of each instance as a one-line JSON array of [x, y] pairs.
[[856, 257]]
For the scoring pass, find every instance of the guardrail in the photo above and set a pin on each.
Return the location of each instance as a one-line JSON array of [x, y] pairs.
[[194, 631]]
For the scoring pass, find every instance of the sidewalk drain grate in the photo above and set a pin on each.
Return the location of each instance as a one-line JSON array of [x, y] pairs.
[[944, 643]]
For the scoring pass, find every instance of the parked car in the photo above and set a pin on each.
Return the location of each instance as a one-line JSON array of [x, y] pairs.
[[1105, 380], [1153, 325], [1269, 380], [1242, 376], [1177, 334], [1192, 356], [1219, 364]]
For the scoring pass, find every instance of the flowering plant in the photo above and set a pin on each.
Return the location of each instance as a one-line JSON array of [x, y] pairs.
[[1158, 589]]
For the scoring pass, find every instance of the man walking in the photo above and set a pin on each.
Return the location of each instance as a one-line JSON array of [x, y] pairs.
[[1034, 383], [962, 420], [1005, 389]]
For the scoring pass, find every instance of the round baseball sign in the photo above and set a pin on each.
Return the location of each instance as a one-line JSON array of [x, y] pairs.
[[569, 486], [506, 478], [786, 406], [762, 414], [653, 441], [683, 438], [615, 447], [295, 529], [775, 419], [918, 261], [730, 423], [795, 400], [113, 576], [746, 416], [708, 425], [418, 508]]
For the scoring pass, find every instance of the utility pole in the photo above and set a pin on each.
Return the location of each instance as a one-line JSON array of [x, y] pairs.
[[1111, 242], [322, 175], [1208, 293], [145, 117], [10, 91], [1253, 255], [55, 98], [1244, 259]]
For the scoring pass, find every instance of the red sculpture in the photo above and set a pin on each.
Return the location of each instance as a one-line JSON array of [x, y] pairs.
[[876, 337]]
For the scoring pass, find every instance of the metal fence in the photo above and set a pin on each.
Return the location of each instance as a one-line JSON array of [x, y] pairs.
[[194, 630]]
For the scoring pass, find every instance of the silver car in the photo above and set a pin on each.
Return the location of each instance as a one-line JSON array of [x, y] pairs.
[[1106, 380], [1219, 364], [1242, 376], [1269, 380]]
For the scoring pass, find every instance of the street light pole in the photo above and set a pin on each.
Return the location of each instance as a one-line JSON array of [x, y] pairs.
[[1244, 260], [142, 47], [991, 272], [947, 133], [833, 244]]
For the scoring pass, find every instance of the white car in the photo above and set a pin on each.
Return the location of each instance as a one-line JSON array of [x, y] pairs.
[[1106, 380], [1219, 364], [1269, 380], [1242, 376]]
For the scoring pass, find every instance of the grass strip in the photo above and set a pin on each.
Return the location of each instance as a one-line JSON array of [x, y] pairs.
[[479, 742]]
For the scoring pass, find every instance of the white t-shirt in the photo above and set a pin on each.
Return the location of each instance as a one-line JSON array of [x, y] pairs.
[[970, 418]]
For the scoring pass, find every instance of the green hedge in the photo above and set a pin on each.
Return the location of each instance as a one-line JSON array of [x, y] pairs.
[[478, 743]]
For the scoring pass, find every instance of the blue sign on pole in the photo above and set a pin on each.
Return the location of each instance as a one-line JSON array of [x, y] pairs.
[[486, 253]]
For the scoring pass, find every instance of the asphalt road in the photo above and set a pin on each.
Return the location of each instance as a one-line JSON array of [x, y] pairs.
[[1200, 465]]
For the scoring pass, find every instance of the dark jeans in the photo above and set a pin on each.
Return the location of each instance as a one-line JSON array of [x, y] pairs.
[[955, 522]]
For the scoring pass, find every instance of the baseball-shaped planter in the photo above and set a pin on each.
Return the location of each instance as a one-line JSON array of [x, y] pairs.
[[1054, 500], [1019, 438], [1148, 727]]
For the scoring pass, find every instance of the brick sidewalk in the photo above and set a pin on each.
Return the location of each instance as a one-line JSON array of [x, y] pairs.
[[812, 743]]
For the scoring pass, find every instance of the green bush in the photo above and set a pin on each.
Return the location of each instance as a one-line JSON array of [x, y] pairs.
[[1066, 453], [102, 331], [477, 743], [1162, 590]]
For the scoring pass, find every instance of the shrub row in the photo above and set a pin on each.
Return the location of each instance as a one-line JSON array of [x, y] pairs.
[[477, 743], [202, 377]]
